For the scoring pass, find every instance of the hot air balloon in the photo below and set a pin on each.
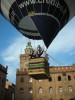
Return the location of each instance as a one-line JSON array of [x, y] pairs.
[[38, 19]]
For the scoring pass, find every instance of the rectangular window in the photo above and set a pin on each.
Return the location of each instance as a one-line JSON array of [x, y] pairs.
[[22, 80]]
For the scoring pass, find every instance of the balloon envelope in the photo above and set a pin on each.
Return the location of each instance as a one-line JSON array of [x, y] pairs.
[[36, 19]]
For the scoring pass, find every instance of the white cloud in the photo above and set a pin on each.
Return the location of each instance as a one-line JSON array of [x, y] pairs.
[[11, 55], [17, 47], [65, 40]]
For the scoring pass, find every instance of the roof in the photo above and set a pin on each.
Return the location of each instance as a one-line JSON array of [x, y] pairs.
[[3, 69]]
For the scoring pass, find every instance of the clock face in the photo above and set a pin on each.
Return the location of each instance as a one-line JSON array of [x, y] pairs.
[[27, 51]]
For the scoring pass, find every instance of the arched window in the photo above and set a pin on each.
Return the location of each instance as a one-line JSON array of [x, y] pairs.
[[21, 90], [70, 88], [59, 78], [40, 90], [50, 79], [51, 90], [22, 79], [30, 80], [30, 90], [69, 77], [40, 80], [60, 89]]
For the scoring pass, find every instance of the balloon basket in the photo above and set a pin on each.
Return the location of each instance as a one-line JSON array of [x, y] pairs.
[[38, 68]]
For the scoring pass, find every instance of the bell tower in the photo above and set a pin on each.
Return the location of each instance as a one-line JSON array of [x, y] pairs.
[[24, 58], [28, 49]]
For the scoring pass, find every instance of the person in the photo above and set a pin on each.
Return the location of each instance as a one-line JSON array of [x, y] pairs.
[[39, 50], [37, 53]]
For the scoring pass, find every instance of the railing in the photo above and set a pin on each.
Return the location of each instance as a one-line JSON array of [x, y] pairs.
[[39, 70]]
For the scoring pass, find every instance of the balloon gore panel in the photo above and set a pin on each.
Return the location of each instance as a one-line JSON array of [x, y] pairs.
[[37, 19]]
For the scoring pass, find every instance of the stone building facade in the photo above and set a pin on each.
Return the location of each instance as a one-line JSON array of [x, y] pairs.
[[3, 74], [60, 85], [9, 91]]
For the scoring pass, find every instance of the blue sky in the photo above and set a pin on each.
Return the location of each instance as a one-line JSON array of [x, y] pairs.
[[12, 44]]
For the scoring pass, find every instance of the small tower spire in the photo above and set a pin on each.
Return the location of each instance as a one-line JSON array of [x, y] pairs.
[[29, 48]]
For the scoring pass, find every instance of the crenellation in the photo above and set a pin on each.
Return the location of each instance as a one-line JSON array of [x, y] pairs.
[[22, 71], [62, 69]]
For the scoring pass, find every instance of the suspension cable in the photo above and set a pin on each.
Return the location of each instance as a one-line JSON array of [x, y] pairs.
[[56, 60]]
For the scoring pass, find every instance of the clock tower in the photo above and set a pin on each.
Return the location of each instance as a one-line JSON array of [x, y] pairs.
[[28, 49], [24, 58]]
